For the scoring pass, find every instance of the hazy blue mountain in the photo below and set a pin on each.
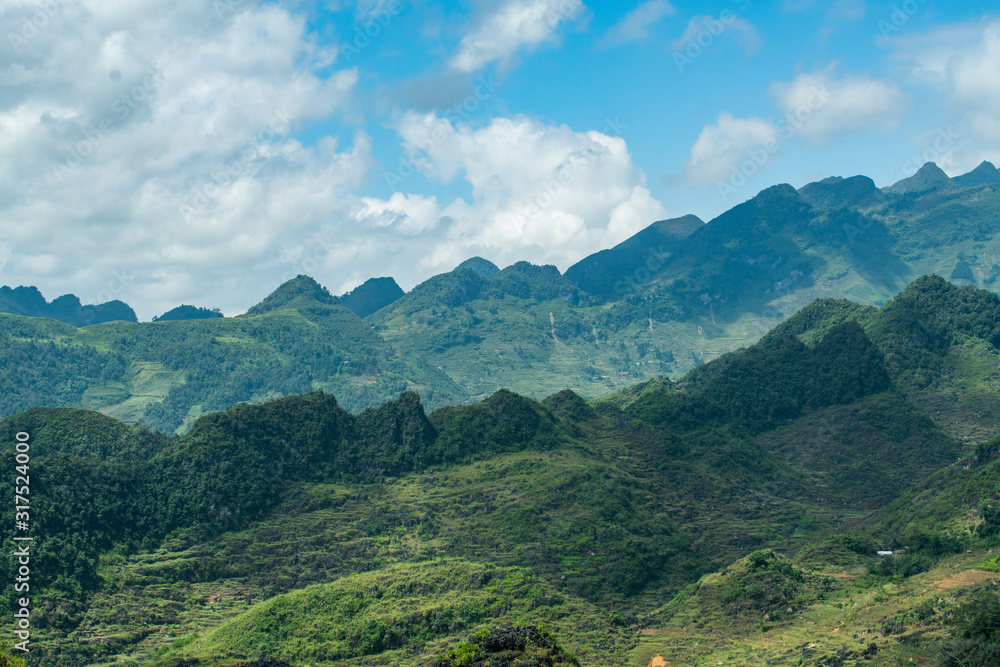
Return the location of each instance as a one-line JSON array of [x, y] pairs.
[[67, 308], [837, 192], [928, 177], [484, 268], [374, 294], [984, 174], [461, 335]]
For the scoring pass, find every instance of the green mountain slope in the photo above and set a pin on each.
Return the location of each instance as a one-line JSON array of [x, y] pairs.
[[380, 614], [374, 294], [618, 317], [67, 308], [188, 313], [526, 328], [608, 509], [167, 373], [614, 272]]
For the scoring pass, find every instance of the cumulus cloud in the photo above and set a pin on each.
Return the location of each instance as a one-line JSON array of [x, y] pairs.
[[542, 193], [973, 71], [847, 104], [155, 152], [514, 25], [956, 66], [153, 158], [722, 145], [635, 27]]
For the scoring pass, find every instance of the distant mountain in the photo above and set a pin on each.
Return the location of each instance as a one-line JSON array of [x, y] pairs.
[[167, 376], [984, 174], [928, 177], [484, 268], [302, 287], [834, 435], [374, 294], [67, 308], [488, 333], [459, 336], [613, 273], [188, 313], [837, 193]]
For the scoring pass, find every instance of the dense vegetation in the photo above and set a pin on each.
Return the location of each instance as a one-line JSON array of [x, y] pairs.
[[373, 295], [188, 313], [67, 308], [675, 295], [728, 515], [168, 373], [615, 505], [976, 642]]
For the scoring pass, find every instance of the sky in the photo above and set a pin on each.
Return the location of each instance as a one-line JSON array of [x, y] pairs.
[[202, 152]]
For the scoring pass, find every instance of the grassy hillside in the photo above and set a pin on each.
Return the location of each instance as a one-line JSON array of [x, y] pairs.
[[401, 615], [767, 610], [674, 296], [612, 507], [168, 373]]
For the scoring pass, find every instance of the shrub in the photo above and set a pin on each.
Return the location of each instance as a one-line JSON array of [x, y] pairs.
[[976, 640]]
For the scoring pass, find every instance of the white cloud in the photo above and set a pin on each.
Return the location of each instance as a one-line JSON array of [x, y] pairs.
[[516, 24], [184, 171], [704, 30], [826, 107], [721, 146], [636, 25], [122, 113], [974, 71], [956, 67], [542, 193]]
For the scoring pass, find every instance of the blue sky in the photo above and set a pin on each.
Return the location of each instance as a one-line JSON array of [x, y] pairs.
[[202, 152]]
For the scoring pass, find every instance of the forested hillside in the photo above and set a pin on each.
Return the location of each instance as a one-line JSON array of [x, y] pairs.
[[586, 516], [675, 295]]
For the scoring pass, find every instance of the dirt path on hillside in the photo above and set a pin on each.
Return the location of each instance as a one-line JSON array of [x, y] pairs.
[[967, 578]]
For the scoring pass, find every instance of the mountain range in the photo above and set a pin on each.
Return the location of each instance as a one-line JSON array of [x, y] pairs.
[[678, 519], [679, 293]]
